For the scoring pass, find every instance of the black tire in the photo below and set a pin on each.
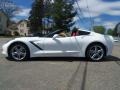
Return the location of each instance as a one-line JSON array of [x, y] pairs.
[[10, 56], [103, 53]]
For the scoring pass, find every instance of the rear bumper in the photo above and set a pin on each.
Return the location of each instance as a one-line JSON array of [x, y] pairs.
[[4, 50]]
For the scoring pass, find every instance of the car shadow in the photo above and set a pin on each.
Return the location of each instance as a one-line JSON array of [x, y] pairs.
[[111, 58], [69, 59]]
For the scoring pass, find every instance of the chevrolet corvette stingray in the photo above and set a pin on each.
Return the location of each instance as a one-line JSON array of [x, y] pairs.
[[87, 44]]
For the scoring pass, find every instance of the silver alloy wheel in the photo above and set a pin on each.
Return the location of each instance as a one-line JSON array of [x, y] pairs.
[[96, 52], [18, 52]]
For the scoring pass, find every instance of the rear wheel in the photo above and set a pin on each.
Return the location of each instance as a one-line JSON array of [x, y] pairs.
[[18, 51], [95, 52]]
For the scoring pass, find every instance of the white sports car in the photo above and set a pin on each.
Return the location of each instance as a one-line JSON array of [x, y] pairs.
[[88, 44]]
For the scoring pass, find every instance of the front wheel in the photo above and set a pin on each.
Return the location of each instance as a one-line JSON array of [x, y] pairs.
[[18, 51], [95, 52]]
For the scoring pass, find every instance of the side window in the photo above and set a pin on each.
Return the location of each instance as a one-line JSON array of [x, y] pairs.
[[83, 33], [21, 31]]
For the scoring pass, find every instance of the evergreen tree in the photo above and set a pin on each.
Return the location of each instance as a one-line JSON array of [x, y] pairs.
[[63, 14], [110, 32], [36, 16], [115, 32], [99, 29]]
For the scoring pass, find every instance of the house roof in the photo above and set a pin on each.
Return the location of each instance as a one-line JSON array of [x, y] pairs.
[[22, 21]]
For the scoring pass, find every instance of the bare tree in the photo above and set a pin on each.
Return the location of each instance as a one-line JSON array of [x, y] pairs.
[[8, 7]]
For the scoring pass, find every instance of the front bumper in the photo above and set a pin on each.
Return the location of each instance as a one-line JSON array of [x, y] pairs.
[[110, 44]]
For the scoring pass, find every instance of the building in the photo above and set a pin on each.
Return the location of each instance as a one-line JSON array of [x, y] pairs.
[[13, 29], [3, 22], [23, 28]]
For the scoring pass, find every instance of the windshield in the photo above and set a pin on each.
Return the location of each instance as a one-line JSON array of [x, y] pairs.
[[53, 33], [78, 33]]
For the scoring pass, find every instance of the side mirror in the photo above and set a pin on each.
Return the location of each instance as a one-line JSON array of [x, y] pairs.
[[55, 36]]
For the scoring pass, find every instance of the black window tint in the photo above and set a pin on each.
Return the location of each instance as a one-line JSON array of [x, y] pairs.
[[83, 33]]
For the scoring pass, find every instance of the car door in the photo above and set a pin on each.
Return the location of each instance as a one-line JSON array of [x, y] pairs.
[[64, 46]]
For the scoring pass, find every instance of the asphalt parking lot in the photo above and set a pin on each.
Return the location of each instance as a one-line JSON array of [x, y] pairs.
[[60, 73]]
